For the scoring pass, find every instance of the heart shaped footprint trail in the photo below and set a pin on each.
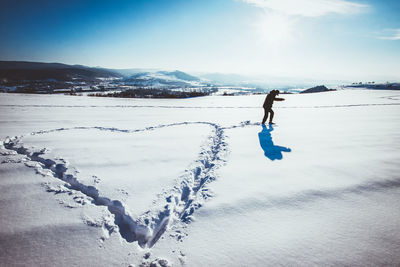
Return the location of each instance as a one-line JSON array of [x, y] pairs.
[[144, 177]]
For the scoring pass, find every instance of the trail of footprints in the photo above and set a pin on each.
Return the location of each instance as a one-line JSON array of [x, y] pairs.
[[178, 203]]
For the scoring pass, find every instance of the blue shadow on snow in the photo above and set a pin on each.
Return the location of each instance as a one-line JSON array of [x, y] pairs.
[[271, 151]]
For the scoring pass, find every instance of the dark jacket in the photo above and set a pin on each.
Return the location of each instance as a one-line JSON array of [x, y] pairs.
[[269, 100]]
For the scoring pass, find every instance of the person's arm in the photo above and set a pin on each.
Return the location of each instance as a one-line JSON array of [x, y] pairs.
[[279, 99]]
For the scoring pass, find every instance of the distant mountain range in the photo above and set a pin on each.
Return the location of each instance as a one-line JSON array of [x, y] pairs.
[[20, 71], [162, 79]]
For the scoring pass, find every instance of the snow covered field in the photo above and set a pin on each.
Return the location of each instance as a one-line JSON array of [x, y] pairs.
[[199, 182]]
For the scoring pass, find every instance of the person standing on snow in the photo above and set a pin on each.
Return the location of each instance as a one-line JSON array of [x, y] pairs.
[[269, 100]]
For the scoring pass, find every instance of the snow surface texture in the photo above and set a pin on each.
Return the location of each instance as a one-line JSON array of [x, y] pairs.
[[199, 181]]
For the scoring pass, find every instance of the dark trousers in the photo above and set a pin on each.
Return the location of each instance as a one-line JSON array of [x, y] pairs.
[[266, 111]]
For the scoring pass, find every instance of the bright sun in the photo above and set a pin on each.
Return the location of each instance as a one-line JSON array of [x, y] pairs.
[[274, 28]]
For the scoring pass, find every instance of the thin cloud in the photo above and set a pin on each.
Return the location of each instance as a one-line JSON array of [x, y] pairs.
[[390, 34], [309, 8]]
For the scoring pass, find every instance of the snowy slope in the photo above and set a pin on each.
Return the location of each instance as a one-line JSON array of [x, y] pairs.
[[199, 181], [164, 79]]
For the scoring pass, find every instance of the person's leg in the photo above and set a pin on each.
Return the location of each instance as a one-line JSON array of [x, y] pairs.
[[265, 116], [271, 116]]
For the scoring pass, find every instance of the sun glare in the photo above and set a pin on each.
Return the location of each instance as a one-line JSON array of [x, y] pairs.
[[274, 28]]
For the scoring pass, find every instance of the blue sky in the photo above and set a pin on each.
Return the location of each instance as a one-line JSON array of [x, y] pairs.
[[325, 39]]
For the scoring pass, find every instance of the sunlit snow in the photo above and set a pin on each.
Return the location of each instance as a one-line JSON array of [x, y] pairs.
[[200, 182]]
